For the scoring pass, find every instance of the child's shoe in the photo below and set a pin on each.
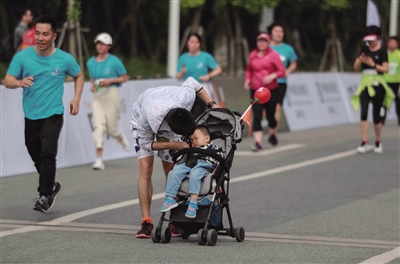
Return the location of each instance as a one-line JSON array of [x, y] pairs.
[[168, 204], [191, 211]]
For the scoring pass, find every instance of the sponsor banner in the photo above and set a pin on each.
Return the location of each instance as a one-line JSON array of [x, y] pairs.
[[330, 98], [349, 83], [323, 99], [76, 144], [301, 104]]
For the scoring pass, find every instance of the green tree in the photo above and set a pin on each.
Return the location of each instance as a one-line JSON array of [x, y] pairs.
[[320, 17], [238, 7]]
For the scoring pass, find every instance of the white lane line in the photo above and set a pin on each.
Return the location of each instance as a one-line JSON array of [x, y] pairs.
[[74, 216], [294, 166], [268, 151], [383, 258]]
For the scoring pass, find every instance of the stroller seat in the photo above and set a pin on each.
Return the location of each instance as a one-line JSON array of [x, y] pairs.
[[207, 183]]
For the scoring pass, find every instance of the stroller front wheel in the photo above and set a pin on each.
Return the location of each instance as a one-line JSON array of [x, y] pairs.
[[166, 235], [202, 236], [212, 237], [156, 235]]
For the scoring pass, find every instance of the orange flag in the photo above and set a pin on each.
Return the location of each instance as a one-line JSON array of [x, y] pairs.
[[246, 117]]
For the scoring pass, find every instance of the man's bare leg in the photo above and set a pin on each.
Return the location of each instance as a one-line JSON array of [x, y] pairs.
[[145, 185]]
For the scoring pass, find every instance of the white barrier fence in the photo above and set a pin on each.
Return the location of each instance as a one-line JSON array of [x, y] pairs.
[[312, 100], [76, 145], [322, 99]]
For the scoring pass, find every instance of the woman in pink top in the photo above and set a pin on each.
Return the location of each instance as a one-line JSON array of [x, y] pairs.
[[263, 70]]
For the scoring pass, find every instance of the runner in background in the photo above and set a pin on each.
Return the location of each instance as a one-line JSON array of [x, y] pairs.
[[25, 14], [373, 60], [196, 63], [288, 58], [28, 39], [263, 70], [107, 73], [393, 76]]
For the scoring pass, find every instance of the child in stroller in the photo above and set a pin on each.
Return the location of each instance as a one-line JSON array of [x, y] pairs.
[[225, 130], [196, 166]]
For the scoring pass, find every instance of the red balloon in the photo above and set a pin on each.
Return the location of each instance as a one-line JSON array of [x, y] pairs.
[[262, 95]]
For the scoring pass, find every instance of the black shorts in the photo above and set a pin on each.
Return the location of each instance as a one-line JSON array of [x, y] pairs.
[[281, 92]]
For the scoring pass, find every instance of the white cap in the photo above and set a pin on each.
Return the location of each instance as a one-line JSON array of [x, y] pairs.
[[370, 37], [104, 38]]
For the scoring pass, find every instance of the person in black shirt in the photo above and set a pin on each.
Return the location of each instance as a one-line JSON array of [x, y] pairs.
[[373, 60]]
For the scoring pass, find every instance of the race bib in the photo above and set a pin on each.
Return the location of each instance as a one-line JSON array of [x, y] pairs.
[[393, 66]]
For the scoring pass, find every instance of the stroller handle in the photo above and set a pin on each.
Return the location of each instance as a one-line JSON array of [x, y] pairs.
[[205, 152]]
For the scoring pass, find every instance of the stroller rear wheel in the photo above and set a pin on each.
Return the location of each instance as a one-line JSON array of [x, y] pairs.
[[166, 235], [202, 236], [239, 234], [212, 237], [156, 235]]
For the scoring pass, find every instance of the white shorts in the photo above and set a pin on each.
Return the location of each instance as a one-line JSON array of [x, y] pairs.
[[141, 137]]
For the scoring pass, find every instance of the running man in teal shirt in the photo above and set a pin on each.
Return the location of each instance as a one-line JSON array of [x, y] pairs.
[[40, 71], [288, 58]]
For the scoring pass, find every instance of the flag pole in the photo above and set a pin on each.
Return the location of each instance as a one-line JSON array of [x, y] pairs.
[[248, 109]]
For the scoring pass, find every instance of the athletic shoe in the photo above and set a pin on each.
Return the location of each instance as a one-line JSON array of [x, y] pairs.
[[168, 205], [191, 210], [98, 165], [42, 204], [363, 148], [378, 147], [257, 147], [175, 232], [273, 140], [57, 190], [145, 230], [123, 141]]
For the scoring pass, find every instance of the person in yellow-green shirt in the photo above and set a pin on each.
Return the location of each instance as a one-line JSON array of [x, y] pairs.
[[393, 76]]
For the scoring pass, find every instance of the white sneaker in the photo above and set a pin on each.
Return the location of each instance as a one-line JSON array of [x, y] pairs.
[[98, 165], [378, 149], [364, 148], [124, 142]]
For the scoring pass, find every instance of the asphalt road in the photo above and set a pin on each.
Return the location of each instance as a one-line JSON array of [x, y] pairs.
[[312, 199]]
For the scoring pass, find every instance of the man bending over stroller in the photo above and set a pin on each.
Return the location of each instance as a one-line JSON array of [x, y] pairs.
[[205, 164]]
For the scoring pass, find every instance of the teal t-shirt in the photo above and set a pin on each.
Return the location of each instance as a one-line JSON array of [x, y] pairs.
[[287, 55], [111, 67], [196, 66], [44, 98]]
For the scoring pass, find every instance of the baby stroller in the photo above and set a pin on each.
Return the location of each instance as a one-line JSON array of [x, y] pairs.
[[226, 131]]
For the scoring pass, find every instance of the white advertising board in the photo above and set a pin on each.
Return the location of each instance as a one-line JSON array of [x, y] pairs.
[[301, 104], [76, 145]]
